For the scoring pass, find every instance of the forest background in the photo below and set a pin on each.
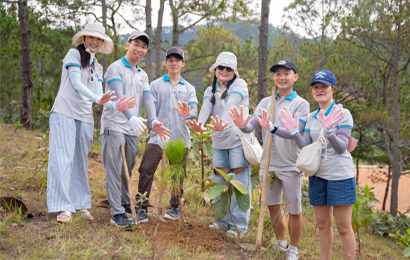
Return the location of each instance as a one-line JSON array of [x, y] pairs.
[[365, 43]]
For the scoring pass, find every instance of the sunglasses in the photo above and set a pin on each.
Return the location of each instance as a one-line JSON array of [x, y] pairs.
[[221, 68], [90, 77]]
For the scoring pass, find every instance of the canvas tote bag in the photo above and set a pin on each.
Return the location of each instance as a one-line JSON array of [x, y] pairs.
[[310, 156], [253, 152]]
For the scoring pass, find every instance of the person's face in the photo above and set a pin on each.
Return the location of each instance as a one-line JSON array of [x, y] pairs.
[[284, 77], [136, 49], [322, 93], [223, 75], [174, 65], [93, 43]]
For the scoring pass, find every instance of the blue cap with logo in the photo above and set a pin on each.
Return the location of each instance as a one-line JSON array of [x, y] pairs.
[[324, 76]]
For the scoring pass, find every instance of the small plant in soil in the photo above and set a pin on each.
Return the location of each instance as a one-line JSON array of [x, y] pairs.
[[201, 146], [141, 199], [175, 171], [229, 187]]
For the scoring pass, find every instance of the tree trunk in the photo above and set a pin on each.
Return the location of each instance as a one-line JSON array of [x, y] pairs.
[[11, 109], [148, 29], [103, 62], [387, 188], [159, 40], [396, 151], [263, 57], [27, 82], [175, 31]]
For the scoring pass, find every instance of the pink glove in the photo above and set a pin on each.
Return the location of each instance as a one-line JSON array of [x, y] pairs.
[[238, 118], [292, 125], [105, 98], [264, 120], [124, 103], [218, 124], [328, 122], [184, 111], [197, 127], [161, 130]]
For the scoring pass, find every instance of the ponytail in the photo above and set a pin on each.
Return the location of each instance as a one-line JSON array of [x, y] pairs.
[[213, 90], [85, 56]]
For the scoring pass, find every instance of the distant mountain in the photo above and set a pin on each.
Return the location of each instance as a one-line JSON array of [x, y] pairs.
[[239, 29]]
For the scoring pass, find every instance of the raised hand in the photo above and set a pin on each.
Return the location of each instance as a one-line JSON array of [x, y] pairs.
[[197, 127], [218, 124], [161, 130], [184, 111], [291, 124], [108, 96], [264, 120], [138, 124], [328, 122], [124, 103], [238, 118]]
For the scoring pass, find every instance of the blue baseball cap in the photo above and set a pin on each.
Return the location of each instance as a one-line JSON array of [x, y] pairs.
[[324, 76]]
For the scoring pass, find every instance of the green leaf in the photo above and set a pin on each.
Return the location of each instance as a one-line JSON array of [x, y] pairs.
[[406, 252], [216, 191], [231, 176], [220, 208], [209, 185], [244, 201], [254, 179], [240, 186], [208, 149], [222, 174]]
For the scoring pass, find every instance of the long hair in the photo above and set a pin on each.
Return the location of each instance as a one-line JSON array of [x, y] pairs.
[[223, 96], [85, 56]]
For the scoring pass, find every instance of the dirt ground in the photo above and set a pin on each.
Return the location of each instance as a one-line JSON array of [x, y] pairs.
[[375, 178]]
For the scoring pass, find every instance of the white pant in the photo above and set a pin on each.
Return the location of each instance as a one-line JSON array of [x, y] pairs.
[[67, 182]]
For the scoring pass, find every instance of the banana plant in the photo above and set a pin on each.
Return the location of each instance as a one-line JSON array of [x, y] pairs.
[[226, 189]]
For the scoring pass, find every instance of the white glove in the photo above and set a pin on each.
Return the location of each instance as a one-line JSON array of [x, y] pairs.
[[163, 142], [137, 124]]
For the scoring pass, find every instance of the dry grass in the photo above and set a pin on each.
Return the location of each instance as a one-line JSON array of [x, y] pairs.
[[43, 238]]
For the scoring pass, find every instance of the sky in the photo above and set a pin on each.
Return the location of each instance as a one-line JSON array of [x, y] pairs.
[[275, 15]]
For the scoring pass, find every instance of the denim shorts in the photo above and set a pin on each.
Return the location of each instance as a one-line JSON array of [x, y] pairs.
[[229, 158], [332, 193]]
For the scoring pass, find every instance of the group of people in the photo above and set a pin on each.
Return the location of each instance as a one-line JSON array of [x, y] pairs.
[[171, 107]]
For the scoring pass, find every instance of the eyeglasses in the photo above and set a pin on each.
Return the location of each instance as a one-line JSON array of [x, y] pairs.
[[221, 68], [90, 75]]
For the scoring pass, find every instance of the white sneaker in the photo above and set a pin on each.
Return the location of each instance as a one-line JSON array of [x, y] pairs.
[[282, 246], [292, 255]]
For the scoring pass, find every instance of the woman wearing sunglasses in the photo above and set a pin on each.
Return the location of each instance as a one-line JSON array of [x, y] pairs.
[[72, 124], [226, 92]]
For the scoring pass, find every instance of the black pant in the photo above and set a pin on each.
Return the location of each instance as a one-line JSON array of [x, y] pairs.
[[149, 164]]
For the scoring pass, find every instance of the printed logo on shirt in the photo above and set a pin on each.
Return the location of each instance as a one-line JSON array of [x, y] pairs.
[[281, 62], [320, 74]]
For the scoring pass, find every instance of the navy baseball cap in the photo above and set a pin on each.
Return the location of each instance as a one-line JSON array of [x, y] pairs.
[[324, 76], [138, 34], [284, 63], [176, 51]]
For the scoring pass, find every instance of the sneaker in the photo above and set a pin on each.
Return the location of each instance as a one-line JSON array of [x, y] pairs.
[[142, 215], [282, 246], [214, 226], [292, 254], [120, 220], [231, 233], [172, 214]]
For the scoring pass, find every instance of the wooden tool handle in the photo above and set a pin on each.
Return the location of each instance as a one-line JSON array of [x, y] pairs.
[[265, 174], [134, 215]]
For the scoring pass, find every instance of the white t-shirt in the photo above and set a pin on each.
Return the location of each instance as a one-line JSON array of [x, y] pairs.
[[166, 96], [134, 82], [336, 166], [284, 151], [70, 102]]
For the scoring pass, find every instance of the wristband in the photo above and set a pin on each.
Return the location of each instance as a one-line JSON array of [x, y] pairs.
[[275, 128]]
